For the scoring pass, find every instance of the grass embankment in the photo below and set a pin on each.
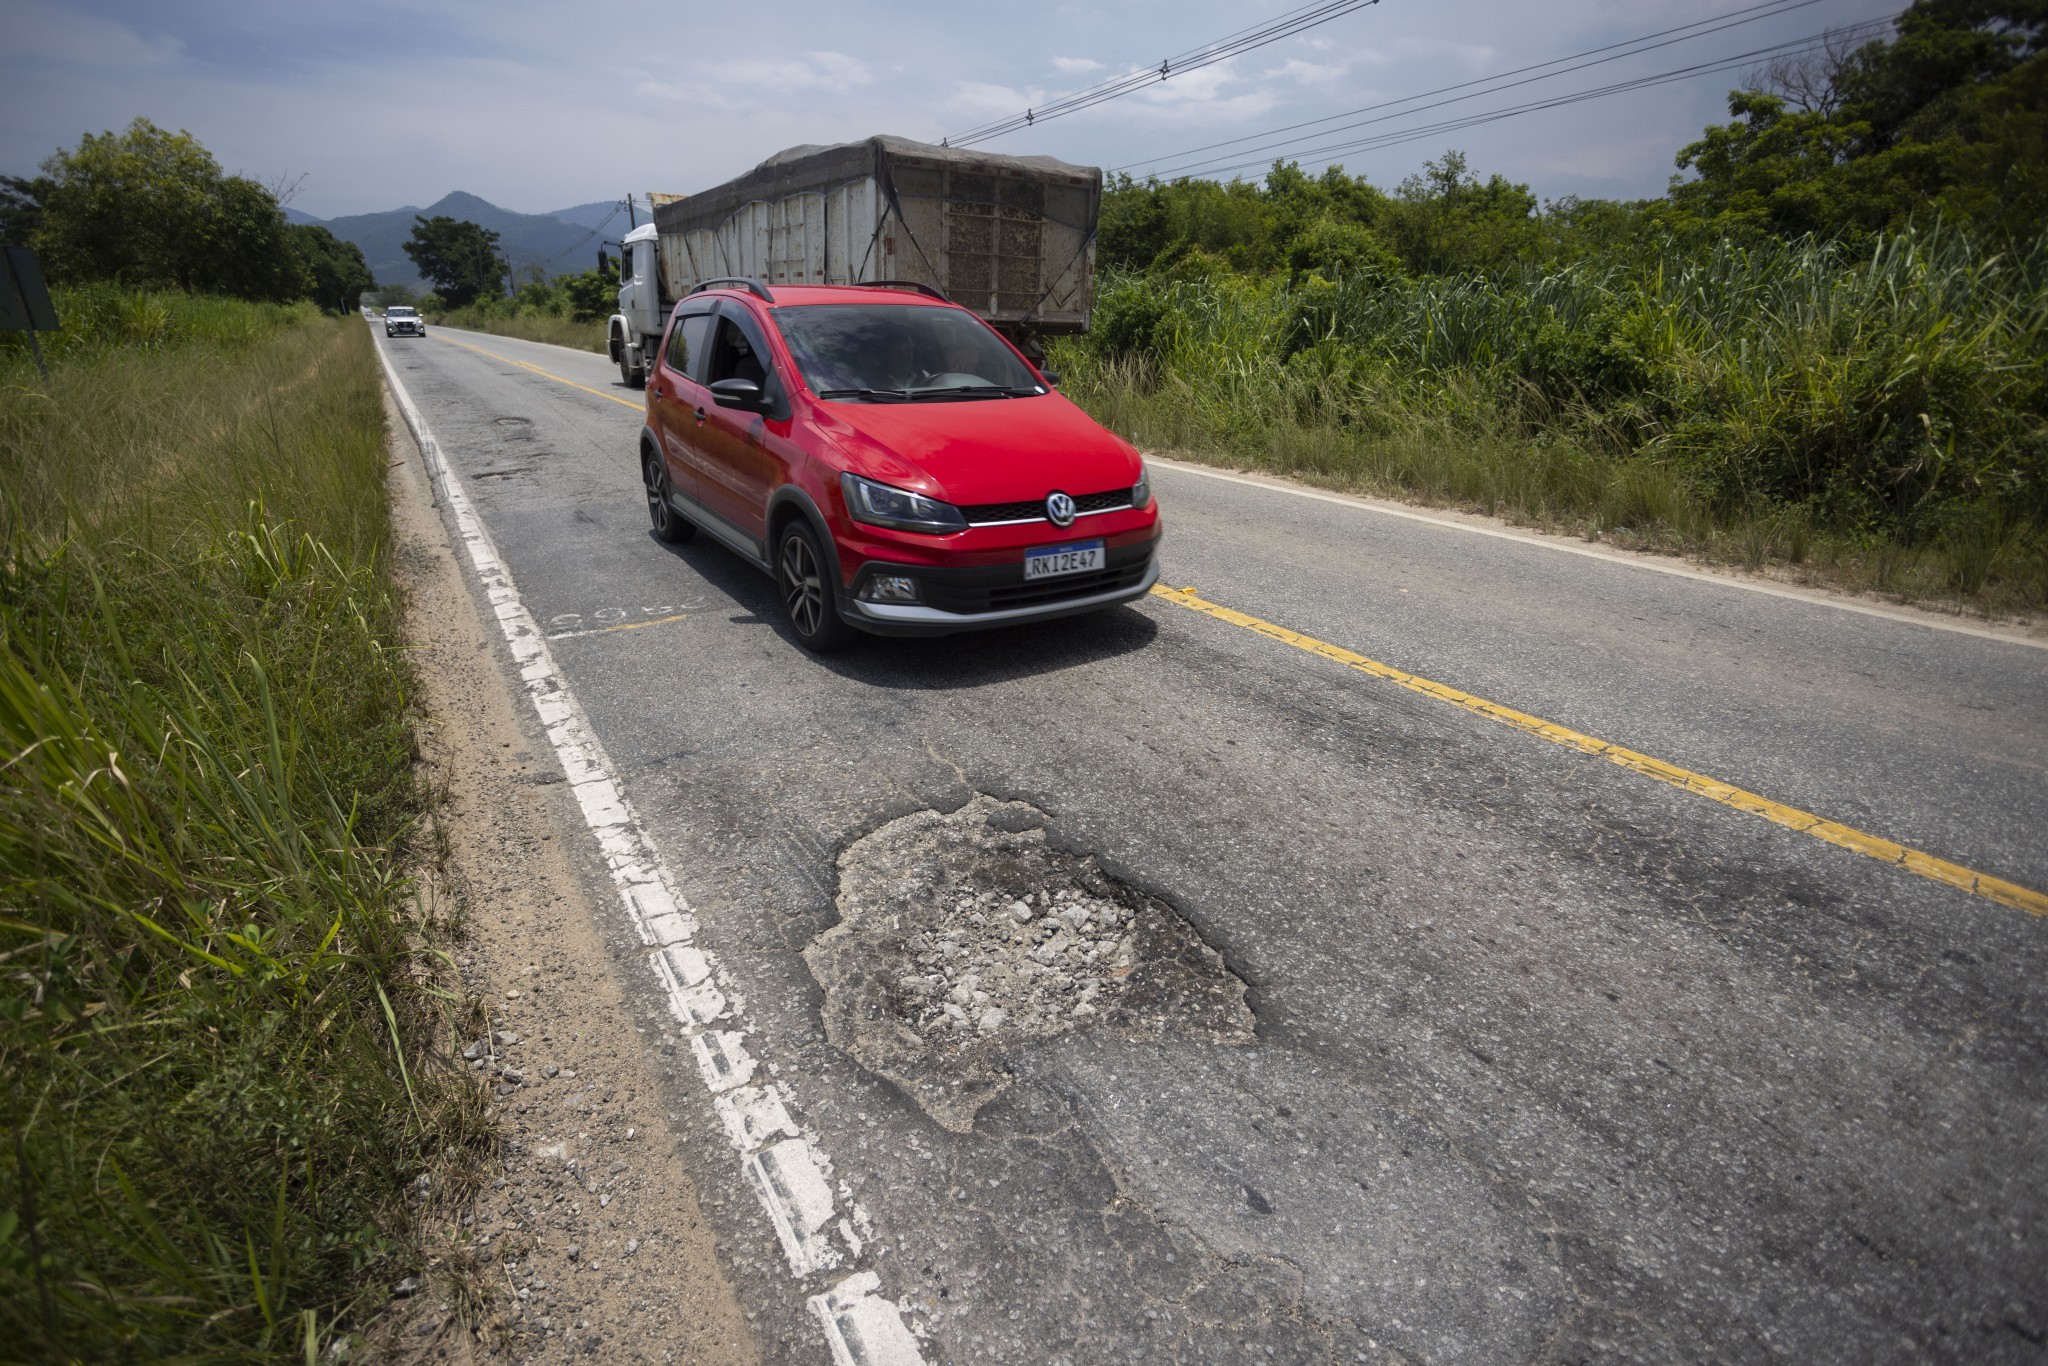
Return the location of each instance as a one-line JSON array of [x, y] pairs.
[[553, 328], [1877, 421], [216, 997]]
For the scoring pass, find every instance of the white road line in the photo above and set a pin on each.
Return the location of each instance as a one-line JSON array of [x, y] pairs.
[[787, 1171], [1607, 555]]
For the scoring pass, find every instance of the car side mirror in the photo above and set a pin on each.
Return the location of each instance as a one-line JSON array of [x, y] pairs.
[[738, 393], [1051, 377]]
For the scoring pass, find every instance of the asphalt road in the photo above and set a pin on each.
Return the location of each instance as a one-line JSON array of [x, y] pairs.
[[1552, 1062]]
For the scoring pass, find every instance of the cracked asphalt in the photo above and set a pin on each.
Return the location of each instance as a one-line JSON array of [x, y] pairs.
[[1552, 1062]]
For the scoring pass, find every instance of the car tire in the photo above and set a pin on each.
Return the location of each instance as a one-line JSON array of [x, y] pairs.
[[670, 526], [807, 594]]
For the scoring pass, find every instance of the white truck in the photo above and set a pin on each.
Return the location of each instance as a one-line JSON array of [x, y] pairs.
[[1012, 238]]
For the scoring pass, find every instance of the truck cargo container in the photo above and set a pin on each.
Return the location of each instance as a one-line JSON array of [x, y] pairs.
[[1011, 238]]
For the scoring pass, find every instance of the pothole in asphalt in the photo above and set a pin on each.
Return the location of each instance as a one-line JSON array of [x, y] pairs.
[[962, 937]]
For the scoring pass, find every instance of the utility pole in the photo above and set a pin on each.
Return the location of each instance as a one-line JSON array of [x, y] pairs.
[[631, 221]]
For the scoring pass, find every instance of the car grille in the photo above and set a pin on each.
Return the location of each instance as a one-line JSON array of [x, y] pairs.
[[1032, 592], [982, 514]]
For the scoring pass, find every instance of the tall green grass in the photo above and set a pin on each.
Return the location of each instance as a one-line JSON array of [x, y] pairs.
[[557, 329], [1877, 418], [215, 990]]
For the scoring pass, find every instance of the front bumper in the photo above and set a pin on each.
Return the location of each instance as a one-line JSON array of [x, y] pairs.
[[980, 597], [405, 330]]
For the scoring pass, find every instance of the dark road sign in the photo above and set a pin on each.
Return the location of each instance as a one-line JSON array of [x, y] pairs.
[[24, 299]]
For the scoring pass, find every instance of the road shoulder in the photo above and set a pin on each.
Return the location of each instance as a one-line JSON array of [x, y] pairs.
[[588, 1236]]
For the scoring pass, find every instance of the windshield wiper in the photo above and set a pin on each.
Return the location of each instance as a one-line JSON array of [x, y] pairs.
[[976, 391], [871, 395]]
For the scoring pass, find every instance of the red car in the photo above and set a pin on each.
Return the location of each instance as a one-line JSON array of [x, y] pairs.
[[897, 465]]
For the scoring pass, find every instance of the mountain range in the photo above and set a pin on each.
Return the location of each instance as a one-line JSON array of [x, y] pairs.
[[559, 243]]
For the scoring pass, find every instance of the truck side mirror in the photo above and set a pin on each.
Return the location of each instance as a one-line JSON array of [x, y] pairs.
[[738, 393]]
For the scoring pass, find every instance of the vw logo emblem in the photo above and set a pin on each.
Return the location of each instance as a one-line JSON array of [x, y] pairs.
[[1059, 509]]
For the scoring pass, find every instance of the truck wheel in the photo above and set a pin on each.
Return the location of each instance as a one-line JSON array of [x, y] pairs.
[[670, 528], [807, 598], [631, 375]]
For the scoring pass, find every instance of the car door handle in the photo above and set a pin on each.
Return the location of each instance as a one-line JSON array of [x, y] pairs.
[[700, 417]]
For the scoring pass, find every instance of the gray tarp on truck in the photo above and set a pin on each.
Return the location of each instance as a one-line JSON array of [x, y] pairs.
[[1012, 238]]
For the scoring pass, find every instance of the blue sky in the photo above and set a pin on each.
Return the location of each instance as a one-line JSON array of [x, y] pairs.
[[537, 106]]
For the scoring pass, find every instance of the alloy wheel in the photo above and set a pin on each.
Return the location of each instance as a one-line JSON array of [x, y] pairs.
[[803, 587]]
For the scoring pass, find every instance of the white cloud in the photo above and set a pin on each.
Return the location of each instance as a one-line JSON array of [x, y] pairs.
[[740, 85], [983, 100], [1309, 73], [835, 71], [49, 33], [535, 106]]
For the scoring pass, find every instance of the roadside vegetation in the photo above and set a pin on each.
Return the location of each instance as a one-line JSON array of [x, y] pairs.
[[149, 209], [1825, 353], [565, 310], [224, 1120]]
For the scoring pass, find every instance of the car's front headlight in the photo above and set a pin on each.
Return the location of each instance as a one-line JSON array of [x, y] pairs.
[[898, 509], [1141, 492]]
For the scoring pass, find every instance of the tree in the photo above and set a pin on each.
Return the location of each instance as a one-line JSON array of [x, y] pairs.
[[460, 258], [337, 274], [152, 209], [1448, 221], [592, 294], [1771, 171], [1949, 117], [1131, 230], [21, 208]]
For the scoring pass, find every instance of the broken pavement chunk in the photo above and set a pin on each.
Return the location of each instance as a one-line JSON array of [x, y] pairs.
[[964, 936]]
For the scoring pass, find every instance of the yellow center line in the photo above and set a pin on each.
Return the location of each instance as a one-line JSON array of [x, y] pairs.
[[621, 626], [544, 374], [1805, 822]]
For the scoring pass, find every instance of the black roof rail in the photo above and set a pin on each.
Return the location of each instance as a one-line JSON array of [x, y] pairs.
[[746, 282], [920, 286]]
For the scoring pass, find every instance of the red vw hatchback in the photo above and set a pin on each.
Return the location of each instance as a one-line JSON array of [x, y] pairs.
[[896, 465]]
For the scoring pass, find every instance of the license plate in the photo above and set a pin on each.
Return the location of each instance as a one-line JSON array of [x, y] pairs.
[[1047, 561]]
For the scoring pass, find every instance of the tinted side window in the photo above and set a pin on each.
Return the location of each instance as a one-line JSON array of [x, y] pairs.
[[686, 344], [733, 355]]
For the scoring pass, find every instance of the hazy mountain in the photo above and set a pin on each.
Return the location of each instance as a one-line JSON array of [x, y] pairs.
[[557, 245], [292, 215], [610, 214]]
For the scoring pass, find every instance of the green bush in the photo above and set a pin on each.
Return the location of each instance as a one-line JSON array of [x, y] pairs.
[[1887, 395]]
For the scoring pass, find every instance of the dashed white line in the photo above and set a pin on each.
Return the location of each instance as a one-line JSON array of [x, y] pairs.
[[788, 1173]]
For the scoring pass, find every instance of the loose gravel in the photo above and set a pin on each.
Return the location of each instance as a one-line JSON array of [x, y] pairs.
[[964, 937]]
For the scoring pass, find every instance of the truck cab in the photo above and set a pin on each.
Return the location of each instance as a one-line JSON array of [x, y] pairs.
[[635, 330]]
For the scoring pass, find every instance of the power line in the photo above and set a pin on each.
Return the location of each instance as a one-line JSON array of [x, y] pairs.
[[1286, 25], [1645, 43], [1398, 136], [1224, 165], [578, 246]]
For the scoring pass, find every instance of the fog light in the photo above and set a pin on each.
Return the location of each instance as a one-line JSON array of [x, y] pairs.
[[890, 588]]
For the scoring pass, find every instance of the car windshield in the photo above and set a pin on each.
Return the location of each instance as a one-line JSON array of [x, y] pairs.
[[879, 353], [399, 313]]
